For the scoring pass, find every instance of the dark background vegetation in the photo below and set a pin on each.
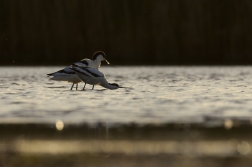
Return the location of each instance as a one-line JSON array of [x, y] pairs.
[[130, 32]]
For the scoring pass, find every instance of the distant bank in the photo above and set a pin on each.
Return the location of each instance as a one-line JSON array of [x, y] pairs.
[[147, 32]]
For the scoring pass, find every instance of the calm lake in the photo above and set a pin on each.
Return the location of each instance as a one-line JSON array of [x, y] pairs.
[[155, 95]]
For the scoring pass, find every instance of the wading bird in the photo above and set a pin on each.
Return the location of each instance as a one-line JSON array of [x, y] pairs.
[[93, 77], [69, 75]]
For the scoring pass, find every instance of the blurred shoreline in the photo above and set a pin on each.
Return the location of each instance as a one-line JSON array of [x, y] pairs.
[[176, 144]]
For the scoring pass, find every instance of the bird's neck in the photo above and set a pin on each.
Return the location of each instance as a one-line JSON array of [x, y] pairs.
[[97, 63]]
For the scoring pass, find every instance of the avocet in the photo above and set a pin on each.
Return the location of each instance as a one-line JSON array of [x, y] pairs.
[[93, 77], [69, 75]]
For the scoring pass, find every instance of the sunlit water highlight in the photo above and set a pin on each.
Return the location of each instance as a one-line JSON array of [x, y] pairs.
[[154, 95]]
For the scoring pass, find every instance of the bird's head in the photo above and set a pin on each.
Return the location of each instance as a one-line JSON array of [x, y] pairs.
[[99, 55]]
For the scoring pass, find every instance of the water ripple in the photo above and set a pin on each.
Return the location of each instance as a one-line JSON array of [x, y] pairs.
[[152, 94]]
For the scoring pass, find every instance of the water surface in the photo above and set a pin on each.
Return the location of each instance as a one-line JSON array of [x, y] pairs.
[[154, 95]]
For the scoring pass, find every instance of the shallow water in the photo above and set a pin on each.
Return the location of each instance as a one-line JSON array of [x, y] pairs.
[[154, 95]]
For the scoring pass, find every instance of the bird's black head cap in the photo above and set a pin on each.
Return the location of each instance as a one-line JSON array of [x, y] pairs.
[[97, 54]]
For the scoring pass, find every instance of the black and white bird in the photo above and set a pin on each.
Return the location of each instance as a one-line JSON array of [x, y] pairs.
[[93, 77], [69, 75]]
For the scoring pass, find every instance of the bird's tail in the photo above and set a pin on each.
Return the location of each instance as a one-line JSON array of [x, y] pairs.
[[51, 74]]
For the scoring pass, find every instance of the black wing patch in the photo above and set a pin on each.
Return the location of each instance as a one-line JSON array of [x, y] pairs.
[[62, 71], [74, 65], [66, 72], [84, 62], [86, 69], [94, 74], [80, 71]]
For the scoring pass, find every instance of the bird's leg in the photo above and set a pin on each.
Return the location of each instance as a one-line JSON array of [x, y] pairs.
[[84, 86], [76, 86], [93, 87], [72, 86]]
